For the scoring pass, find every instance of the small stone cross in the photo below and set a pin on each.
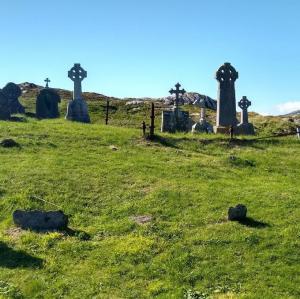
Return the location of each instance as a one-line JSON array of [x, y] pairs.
[[47, 80], [177, 93], [244, 104], [77, 75]]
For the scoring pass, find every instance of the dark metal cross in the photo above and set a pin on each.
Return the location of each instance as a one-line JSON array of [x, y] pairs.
[[47, 80], [177, 93]]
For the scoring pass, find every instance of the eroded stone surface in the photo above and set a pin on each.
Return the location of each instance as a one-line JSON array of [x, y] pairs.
[[47, 104], [226, 102], [237, 213], [12, 91], [4, 107], [77, 108]]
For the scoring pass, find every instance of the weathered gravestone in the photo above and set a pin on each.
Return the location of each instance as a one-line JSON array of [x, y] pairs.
[[202, 125], [47, 102], [4, 107], [245, 128], [12, 91], [237, 213], [226, 102], [175, 119], [39, 220], [77, 108]]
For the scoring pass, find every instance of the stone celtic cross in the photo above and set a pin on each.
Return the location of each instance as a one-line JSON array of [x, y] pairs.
[[47, 80], [77, 74], [177, 93], [244, 104], [226, 102], [227, 73]]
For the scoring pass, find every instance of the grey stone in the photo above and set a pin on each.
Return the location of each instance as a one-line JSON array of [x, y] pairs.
[[202, 125], [226, 102], [189, 98], [4, 107], [142, 219], [134, 103], [47, 104], [245, 128], [175, 119], [12, 91], [40, 221], [77, 108], [8, 143], [237, 213]]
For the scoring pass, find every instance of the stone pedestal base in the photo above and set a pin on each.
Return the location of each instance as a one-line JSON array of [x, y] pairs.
[[78, 111], [204, 127], [221, 130], [245, 129]]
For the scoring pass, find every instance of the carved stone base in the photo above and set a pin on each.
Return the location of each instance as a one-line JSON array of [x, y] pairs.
[[204, 127], [245, 129], [78, 111], [221, 130]]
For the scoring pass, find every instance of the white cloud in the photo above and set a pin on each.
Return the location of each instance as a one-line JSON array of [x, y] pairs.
[[288, 107]]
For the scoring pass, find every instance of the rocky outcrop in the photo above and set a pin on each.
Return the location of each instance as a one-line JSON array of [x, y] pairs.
[[190, 97]]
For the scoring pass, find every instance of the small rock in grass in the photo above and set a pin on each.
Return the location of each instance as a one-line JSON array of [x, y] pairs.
[[237, 213], [41, 221], [8, 143], [113, 148], [142, 219]]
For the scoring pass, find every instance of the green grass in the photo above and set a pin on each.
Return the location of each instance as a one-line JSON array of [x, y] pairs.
[[185, 182]]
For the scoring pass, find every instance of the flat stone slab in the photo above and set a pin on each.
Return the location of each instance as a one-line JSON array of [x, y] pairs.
[[142, 219], [41, 221]]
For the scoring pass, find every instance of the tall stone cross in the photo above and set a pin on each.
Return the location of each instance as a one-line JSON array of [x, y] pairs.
[[244, 104], [226, 110], [177, 93], [77, 74], [47, 80]]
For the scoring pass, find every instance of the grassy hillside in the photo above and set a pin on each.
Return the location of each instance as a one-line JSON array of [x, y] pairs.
[[185, 183]]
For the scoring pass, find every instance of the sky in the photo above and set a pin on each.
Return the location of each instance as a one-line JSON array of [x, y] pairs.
[[141, 48]]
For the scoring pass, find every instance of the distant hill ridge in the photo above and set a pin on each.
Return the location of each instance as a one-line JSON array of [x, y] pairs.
[[31, 90]]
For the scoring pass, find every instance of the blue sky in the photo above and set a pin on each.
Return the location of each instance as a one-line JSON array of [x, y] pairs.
[[142, 48]]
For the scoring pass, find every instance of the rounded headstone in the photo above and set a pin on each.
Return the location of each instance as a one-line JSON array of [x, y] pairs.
[[12, 91], [4, 107], [47, 104]]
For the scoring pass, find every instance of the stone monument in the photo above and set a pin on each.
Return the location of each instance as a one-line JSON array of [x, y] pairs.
[[245, 128], [77, 108], [226, 102], [4, 107], [12, 91], [47, 102], [175, 119], [202, 125]]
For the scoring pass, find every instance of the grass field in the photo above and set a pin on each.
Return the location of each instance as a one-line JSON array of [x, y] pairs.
[[185, 182]]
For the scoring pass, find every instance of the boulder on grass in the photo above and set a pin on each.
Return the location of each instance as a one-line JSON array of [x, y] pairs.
[[237, 213], [7, 143], [41, 221]]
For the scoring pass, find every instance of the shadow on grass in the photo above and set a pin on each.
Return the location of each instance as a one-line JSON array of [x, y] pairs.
[[250, 222], [221, 141], [10, 258]]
